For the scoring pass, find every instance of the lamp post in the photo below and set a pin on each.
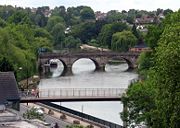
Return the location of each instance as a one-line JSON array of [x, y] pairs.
[[19, 75], [27, 78], [27, 82]]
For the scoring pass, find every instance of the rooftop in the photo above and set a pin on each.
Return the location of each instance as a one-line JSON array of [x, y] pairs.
[[8, 87]]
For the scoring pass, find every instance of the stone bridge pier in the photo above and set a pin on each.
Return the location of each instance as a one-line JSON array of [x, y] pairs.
[[100, 60]]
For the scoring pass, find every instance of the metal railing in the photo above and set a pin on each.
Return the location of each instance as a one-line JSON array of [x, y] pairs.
[[107, 124], [73, 92]]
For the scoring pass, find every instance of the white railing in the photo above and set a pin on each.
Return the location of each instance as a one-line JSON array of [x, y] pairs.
[[74, 92]]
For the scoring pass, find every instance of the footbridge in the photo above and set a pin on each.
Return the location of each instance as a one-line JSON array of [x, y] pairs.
[[72, 94], [100, 59]]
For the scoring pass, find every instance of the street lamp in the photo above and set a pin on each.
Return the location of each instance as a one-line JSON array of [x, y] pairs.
[[19, 75], [27, 78], [27, 73], [20, 68]]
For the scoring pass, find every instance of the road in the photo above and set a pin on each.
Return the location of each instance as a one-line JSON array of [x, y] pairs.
[[49, 119]]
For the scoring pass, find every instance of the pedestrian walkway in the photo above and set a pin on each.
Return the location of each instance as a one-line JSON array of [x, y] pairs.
[[62, 116]]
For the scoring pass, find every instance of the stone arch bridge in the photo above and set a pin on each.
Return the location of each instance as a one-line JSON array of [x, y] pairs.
[[100, 59]]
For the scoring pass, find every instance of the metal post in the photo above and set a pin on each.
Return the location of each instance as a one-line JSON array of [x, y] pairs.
[[82, 108], [85, 92], [73, 91], [54, 93], [48, 92], [27, 74]]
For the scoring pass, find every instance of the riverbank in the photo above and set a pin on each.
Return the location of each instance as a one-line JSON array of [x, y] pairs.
[[29, 83]]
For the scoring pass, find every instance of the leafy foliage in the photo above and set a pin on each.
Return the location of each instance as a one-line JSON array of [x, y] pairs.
[[33, 114], [122, 41], [155, 101], [105, 36]]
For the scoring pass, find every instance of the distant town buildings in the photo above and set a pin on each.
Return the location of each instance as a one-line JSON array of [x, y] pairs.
[[100, 15], [144, 20], [46, 11], [140, 48]]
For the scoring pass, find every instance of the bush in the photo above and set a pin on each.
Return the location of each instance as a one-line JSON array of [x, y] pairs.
[[63, 116], [76, 122]]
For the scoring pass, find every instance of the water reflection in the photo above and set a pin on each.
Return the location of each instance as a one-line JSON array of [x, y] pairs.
[[83, 66]]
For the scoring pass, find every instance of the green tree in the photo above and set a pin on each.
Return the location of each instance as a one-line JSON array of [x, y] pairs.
[[153, 35], [2, 23], [105, 36], [41, 32], [75, 126], [20, 17], [59, 11], [87, 14], [122, 41], [166, 78], [71, 42], [115, 16], [145, 62], [135, 32], [167, 11], [6, 11], [52, 21], [139, 102], [155, 101], [85, 31], [39, 19], [58, 35]]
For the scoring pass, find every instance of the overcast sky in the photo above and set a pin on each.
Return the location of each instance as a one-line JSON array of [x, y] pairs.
[[99, 5]]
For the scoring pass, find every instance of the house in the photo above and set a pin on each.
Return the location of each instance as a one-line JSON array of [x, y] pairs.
[[144, 20], [100, 15], [9, 90], [140, 48]]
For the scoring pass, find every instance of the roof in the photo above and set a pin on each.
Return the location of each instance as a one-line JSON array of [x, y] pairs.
[[8, 87]]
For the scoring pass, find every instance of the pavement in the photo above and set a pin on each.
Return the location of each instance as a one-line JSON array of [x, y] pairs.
[[55, 118], [48, 119]]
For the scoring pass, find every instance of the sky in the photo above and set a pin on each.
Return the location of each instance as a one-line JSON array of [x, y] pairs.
[[99, 5]]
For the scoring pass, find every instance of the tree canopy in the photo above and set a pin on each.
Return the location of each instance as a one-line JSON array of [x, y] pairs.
[[122, 41], [155, 100]]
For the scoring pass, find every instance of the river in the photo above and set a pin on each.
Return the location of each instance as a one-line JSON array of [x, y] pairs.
[[84, 76]]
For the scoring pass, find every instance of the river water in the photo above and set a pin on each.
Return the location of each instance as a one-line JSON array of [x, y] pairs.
[[85, 77]]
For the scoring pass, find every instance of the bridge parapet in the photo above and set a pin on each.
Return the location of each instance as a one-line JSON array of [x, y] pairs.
[[87, 54]]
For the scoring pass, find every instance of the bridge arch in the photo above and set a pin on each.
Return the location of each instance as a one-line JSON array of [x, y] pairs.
[[95, 62], [45, 65], [127, 60]]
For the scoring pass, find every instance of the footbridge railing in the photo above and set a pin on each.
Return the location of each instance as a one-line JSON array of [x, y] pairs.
[[73, 92]]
